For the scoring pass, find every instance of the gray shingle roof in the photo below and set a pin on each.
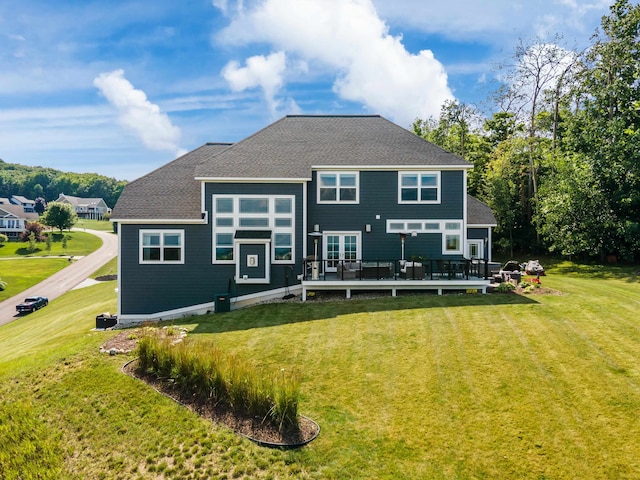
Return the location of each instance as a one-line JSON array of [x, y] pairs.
[[479, 213], [81, 201], [286, 149], [17, 211], [170, 192], [290, 147]]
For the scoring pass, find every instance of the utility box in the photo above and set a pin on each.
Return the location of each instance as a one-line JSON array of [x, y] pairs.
[[222, 302], [106, 320]]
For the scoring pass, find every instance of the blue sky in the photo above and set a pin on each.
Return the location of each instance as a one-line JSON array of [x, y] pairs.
[[122, 87]]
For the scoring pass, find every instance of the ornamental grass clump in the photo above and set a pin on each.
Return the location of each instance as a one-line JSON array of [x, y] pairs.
[[198, 369]]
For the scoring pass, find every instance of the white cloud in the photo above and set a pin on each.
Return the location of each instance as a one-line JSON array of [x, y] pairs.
[[221, 5], [348, 39], [260, 71], [137, 114], [498, 22]]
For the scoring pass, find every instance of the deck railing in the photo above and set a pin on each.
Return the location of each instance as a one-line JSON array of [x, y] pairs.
[[436, 269]]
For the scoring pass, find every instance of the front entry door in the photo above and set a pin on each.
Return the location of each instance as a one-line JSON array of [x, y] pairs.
[[339, 246]]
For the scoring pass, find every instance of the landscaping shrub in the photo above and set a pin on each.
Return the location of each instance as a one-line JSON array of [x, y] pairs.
[[34, 228], [199, 369], [505, 287]]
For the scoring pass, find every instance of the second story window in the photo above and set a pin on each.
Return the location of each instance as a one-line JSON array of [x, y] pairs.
[[334, 187], [419, 187], [161, 246]]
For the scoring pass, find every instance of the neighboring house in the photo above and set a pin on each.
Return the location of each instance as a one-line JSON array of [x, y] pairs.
[[88, 208], [245, 220], [29, 205], [4, 201], [13, 219]]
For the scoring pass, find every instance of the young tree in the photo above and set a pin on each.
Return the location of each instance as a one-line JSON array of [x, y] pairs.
[[32, 242], [49, 242], [59, 215]]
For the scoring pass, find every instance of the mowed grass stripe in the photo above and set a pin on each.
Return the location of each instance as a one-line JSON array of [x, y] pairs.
[[492, 386]]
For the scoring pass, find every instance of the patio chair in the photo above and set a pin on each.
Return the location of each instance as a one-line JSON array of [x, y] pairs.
[[412, 271]]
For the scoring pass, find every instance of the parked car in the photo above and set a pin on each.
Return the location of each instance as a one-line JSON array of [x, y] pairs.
[[31, 304]]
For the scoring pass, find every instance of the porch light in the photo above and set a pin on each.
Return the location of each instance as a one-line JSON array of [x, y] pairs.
[[367, 228]]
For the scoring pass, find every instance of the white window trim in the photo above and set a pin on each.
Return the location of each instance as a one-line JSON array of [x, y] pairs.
[[271, 217], [267, 261], [338, 174], [161, 246], [418, 187], [341, 233], [442, 230], [479, 243]]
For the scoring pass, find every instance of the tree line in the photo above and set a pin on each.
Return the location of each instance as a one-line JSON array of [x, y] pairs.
[[558, 159], [48, 183]]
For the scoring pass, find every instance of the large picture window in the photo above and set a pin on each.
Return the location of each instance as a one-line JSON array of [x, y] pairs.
[[419, 187], [338, 187], [161, 246], [254, 212]]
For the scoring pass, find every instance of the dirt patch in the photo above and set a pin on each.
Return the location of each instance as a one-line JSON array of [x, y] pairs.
[[538, 291], [124, 342]]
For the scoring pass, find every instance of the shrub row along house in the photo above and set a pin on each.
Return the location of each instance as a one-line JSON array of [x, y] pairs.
[[308, 203]]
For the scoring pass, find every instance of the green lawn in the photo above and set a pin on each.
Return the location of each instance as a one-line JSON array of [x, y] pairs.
[[103, 225], [109, 268], [23, 273], [457, 386], [78, 243], [22, 269]]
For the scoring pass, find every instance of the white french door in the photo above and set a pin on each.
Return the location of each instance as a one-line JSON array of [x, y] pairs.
[[340, 246]]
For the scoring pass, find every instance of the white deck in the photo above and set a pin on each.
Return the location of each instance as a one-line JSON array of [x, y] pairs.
[[394, 284]]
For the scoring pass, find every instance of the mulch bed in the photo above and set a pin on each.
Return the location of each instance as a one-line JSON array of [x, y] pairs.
[[263, 433]]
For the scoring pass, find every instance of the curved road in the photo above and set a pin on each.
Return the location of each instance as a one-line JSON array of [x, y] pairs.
[[67, 278]]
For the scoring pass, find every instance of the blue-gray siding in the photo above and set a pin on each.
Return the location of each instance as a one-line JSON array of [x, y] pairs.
[[379, 196], [158, 287]]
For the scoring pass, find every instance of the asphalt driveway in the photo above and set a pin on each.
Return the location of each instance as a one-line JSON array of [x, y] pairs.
[[67, 278]]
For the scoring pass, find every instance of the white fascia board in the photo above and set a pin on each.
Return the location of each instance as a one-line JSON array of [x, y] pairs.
[[391, 167], [482, 225], [252, 180], [154, 221]]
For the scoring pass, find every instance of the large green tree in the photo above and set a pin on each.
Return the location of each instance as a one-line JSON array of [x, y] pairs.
[[606, 130], [59, 215], [574, 215]]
